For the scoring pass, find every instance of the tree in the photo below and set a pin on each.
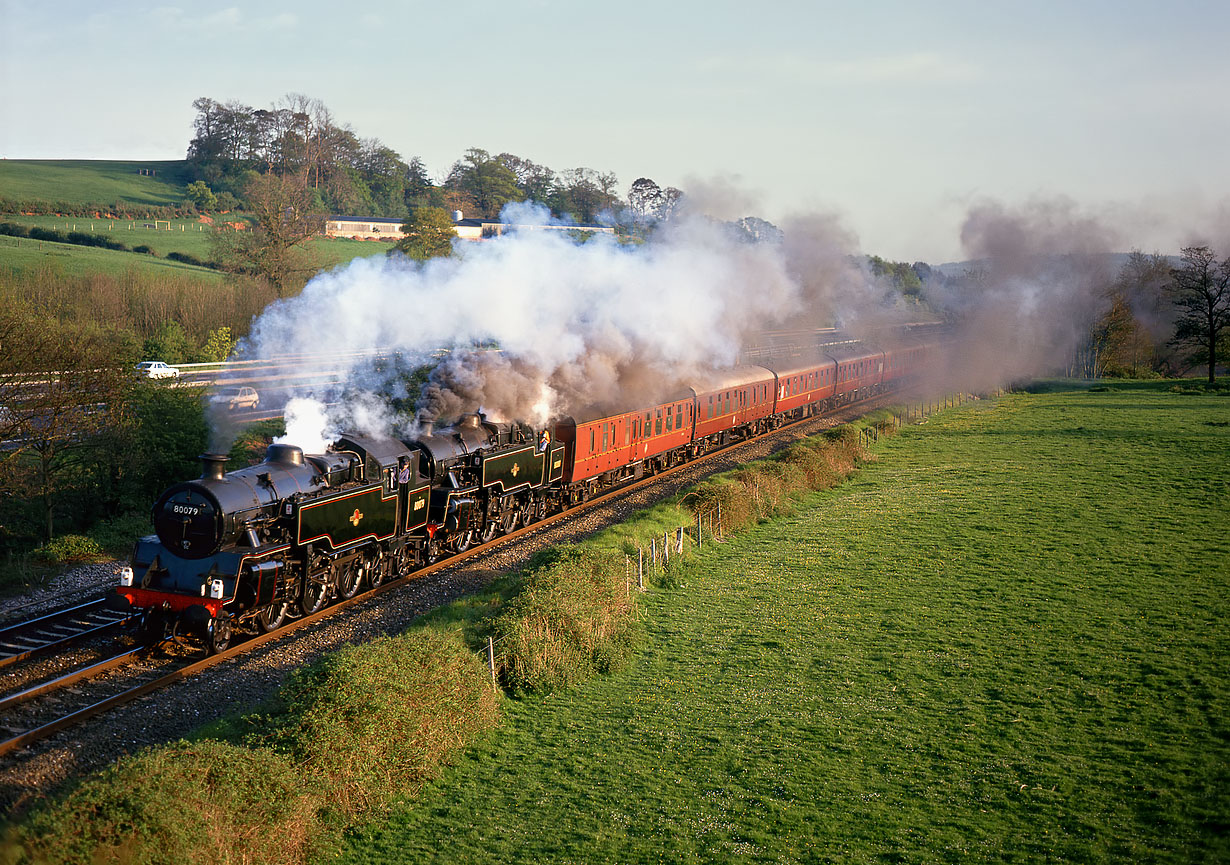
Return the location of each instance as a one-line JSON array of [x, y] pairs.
[[644, 199], [169, 343], [202, 196], [483, 183], [535, 181], [1201, 291], [218, 345], [63, 393], [285, 220], [429, 233]]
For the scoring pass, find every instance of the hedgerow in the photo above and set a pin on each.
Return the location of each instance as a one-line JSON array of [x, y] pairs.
[[570, 618]]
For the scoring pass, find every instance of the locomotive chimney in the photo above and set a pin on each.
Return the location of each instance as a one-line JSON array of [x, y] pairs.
[[426, 426], [213, 466]]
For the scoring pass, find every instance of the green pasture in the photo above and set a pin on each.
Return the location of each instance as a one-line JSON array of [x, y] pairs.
[[175, 235], [1004, 641], [185, 236], [93, 181], [22, 255]]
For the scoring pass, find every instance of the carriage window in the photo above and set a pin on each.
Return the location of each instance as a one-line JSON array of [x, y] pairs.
[[605, 433], [591, 440], [657, 423], [709, 414], [670, 420]]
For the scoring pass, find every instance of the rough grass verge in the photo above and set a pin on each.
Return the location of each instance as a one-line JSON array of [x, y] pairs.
[[355, 731], [196, 802], [572, 617], [374, 721]]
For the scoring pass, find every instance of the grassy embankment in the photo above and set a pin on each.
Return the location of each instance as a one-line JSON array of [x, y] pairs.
[[1006, 641], [105, 183]]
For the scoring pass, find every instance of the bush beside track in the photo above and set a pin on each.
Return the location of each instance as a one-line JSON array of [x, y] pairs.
[[368, 725]]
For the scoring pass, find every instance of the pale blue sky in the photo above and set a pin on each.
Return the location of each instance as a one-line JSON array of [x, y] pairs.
[[897, 115]]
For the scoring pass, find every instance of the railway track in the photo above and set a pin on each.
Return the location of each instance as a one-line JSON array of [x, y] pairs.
[[53, 631], [37, 711]]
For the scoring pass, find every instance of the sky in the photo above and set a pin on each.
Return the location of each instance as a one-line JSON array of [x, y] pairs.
[[897, 117]]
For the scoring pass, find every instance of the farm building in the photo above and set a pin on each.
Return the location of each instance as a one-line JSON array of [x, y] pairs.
[[383, 228]]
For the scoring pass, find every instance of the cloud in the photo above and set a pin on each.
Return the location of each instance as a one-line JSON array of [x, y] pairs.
[[913, 69], [228, 20]]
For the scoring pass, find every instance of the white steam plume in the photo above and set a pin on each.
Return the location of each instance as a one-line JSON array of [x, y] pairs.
[[578, 325]]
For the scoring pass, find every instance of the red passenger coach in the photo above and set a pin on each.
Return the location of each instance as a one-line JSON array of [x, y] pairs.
[[859, 374], [803, 388], [737, 403], [610, 448]]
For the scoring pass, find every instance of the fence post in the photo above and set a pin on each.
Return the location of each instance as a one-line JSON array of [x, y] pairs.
[[666, 547], [653, 552], [491, 663], [719, 516], [679, 540], [700, 541]]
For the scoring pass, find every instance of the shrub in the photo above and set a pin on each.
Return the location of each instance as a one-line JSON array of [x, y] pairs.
[[183, 803], [376, 719], [144, 249], [70, 548], [116, 535], [188, 258], [572, 617]]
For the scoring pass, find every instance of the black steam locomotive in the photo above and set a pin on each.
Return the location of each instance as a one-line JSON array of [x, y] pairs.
[[250, 547]]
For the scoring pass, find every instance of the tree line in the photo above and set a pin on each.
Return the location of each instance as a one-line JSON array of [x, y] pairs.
[[346, 174]]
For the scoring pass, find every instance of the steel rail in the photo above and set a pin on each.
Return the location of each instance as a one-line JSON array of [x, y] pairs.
[[12, 634]]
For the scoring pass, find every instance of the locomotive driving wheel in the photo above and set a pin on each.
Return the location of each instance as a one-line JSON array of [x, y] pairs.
[[378, 569], [462, 541], [510, 521], [489, 531], [315, 594], [218, 637], [272, 617], [347, 578]]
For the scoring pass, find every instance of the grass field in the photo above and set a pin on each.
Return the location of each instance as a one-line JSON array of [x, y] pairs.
[[23, 254], [1006, 641], [93, 181]]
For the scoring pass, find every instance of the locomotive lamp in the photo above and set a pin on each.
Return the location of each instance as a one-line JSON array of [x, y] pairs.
[[126, 576], [215, 589]]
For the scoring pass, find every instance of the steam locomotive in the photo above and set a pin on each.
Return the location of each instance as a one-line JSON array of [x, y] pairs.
[[247, 549]]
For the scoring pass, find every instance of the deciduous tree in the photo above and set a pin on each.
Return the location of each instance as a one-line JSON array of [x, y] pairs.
[[1201, 290], [429, 233], [62, 391], [285, 220]]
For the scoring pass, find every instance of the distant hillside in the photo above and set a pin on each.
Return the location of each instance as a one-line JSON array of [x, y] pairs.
[[1114, 261], [93, 181]]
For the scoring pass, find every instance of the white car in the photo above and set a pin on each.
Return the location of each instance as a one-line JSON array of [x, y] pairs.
[[156, 369], [237, 397]]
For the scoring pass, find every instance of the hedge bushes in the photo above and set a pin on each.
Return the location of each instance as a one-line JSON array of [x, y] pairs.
[[373, 722], [571, 618], [356, 730]]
